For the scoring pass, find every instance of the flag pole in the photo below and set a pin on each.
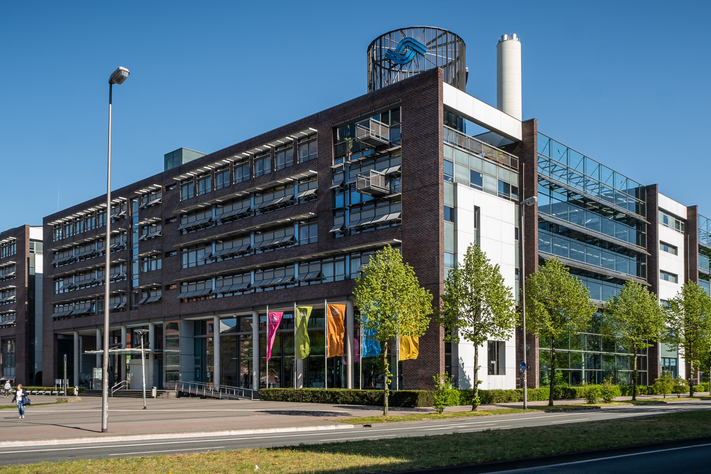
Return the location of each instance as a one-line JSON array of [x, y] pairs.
[[266, 348], [325, 344], [360, 352], [296, 372]]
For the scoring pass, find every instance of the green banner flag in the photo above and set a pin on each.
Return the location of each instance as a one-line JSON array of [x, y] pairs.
[[303, 343]]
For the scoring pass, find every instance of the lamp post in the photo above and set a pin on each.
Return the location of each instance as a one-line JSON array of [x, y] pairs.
[[118, 77], [525, 203], [141, 333]]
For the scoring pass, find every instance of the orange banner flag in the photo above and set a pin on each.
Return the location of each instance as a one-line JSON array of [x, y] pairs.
[[336, 329]]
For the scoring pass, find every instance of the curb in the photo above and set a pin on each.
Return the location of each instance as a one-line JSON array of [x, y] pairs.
[[166, 436]]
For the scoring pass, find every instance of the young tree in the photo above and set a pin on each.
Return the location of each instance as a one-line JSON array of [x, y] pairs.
[[392, 303], [557, 304], [476, 306], [689, 325], [633, 318]]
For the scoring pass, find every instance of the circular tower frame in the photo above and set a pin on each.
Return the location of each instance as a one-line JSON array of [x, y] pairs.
[[404, 52]]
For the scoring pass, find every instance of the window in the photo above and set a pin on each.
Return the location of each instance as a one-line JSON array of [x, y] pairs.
[[448, 214], [670, 277], [68, 230], [669, 248], [196, 256], [284, 157], [448, 170], [496, 358], [308, 150], [668, 221], [150, 264], [90, 223], [57, 232], [102, 219], [262, 165], [80, 226], [241, 172], [187, 190], [222, 178], [204, 184], [308, 233]]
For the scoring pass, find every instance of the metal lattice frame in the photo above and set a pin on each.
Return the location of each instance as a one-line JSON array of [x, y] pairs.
[[445, 50]]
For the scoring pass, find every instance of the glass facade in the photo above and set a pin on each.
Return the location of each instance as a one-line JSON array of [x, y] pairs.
[[591, 217]]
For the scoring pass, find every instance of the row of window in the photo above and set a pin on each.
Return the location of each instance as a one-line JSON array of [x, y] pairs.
[[672, 222], [8, 249], [298, 234], [359, 139], [672, 249], [79, 281], [466, 168], [8, 272], [88, 250], [90, 221], [300, 274], [239, 172], [7, 296], [89, 306], [261, 203]]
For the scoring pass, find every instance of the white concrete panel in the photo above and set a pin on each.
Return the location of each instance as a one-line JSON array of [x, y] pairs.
[[481, 113], [36, 232], [672, 206]]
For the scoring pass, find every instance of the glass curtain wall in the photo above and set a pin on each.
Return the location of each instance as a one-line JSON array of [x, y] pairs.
[[236, 352]]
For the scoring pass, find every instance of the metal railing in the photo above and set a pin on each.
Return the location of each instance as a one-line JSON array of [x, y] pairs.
[[202, 389], [122, 385], [478, 147]]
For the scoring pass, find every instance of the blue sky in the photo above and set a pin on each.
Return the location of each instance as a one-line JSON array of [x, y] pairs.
[[626, 83]]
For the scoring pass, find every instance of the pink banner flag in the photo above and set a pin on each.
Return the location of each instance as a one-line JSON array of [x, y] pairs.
[[356, 353], [274, 320]]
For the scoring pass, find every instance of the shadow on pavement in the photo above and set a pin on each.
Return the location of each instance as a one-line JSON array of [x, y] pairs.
[[304, 413]]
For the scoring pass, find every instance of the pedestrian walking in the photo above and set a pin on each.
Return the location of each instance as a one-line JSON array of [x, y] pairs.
[[21, 399], [7, 388]]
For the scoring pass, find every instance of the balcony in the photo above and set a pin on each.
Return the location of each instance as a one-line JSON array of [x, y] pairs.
[[372, 183], [372, 132]]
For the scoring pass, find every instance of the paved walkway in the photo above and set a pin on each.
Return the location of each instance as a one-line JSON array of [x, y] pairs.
[[184, 416]]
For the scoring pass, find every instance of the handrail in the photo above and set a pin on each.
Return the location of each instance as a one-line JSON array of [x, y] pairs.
[[478, 147], [119, 386], [208, 390]]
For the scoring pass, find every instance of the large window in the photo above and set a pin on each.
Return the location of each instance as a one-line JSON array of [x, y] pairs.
[[671, 222], [241, 172], [222, 178], [284, 157], [670, 277], [262, 165], [496, 351], [204, 184], [308, 150], [669, 248], [187, 190]]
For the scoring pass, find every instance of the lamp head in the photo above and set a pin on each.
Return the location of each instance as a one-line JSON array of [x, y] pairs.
[[530, 201], [119, 75]]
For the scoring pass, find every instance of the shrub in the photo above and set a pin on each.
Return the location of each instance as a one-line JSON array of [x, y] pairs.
[[609, 392], [397, 398], [664, 384], [591, 393], [445, 395], [680, 386]]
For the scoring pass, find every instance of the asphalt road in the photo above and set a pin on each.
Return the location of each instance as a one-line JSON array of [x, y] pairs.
[[686, 459], [33, 454]]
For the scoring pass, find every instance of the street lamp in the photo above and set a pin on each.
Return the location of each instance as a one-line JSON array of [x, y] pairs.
[[118, 77], [141, 333], [524, 204]]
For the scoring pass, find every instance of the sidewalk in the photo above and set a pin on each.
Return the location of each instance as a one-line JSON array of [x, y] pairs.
[[189, 416]]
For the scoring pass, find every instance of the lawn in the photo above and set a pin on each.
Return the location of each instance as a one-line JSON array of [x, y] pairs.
[[405, 453]]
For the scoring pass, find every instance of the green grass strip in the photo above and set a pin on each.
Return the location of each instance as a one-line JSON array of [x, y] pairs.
[[405, 453]]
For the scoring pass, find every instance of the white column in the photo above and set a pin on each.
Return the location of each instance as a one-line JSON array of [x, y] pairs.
[[150, 373], [349, 344], [98, 348], [255, 349], [216, 352], [122, 358], [77, 359]]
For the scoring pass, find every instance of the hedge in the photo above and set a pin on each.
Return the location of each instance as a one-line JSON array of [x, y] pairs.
[[424, 398]]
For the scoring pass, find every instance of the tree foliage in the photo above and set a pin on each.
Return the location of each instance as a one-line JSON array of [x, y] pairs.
[[476, 305], [689, 326], [557, 304], [391, 302], [633, 318]]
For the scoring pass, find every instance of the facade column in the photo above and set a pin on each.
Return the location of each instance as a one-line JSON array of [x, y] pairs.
[[150, 376], [216, 352], [122, 357], [255, 350], [349, 344], [98, 348], [77, 360]]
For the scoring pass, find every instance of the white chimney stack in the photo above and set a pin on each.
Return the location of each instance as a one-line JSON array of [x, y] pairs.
[[508, 75]]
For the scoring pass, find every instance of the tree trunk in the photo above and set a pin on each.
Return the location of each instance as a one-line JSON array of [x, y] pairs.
[[634, 375], [552, 386], [476, 377], [386, 374], [691, 378]]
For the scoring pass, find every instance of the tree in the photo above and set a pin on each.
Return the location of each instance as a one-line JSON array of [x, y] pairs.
[[633, 318], [689, 325], [476, 306], [392, 303], [557, 304]]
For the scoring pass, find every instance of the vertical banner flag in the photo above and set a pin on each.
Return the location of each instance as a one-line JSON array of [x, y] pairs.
[[371, 346], [336, 330], [409, 347], [356, 352], [273, 322], [303, 343]]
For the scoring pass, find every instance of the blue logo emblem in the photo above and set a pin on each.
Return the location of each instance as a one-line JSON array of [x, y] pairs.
[[405, 51]]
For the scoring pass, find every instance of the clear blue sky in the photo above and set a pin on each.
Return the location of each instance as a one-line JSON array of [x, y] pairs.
[[626, 83]]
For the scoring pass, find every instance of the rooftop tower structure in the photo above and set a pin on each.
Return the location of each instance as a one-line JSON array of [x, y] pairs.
[[508, 75], [402, 53]]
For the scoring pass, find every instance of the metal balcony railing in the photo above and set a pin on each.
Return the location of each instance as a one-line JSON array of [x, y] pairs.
[[372, 183], [372, 132], [478, 147]]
